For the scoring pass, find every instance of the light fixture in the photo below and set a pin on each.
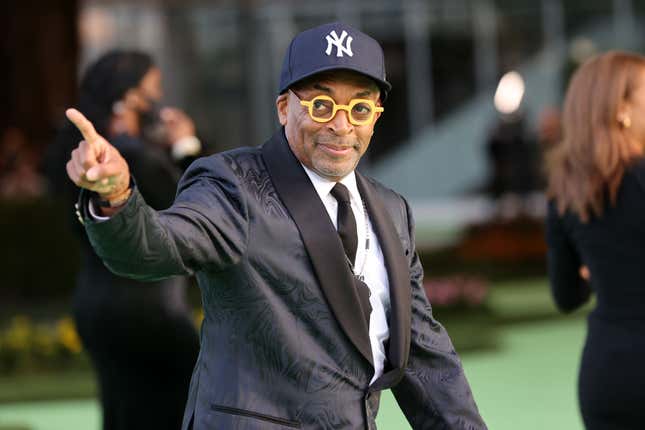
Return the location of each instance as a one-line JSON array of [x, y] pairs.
[[509, 94]]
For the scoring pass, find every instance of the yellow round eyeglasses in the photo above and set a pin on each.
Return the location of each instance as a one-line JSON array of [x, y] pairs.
[[323, 108]]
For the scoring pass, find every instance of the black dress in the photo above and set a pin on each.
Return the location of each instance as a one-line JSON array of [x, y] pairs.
[[140, 335], [612, 371]]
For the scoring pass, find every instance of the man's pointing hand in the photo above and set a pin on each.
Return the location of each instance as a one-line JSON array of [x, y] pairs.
[[96, 165]]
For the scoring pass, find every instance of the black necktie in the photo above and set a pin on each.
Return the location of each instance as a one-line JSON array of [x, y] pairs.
[[348, 236], [346, 221]]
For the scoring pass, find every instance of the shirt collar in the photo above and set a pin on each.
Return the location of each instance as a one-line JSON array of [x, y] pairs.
[[323, 186]]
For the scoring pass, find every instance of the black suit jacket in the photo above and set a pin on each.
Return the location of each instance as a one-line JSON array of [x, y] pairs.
[[283, 343]]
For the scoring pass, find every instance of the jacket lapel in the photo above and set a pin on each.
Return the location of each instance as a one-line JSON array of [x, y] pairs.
[[398, 275], [319, 237]]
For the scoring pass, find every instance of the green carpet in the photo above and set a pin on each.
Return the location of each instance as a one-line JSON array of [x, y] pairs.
[[63, 415], [527, 383], [531, 383]]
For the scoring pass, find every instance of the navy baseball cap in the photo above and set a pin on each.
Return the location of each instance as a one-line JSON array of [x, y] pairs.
[[334, 46]]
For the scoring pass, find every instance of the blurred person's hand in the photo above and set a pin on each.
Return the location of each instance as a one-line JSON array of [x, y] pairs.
[[584, 273], [96, 165], [178, 125]]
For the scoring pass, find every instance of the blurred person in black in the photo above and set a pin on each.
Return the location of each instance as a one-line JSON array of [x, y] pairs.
[[596, 234], [512, 154], [140, 336]]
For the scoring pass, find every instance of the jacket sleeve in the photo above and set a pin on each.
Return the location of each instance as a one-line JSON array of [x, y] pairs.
[[205, 228], [434, 392], [569, 290]]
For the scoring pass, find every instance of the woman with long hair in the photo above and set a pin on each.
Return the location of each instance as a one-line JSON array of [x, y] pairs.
[[140, 336], [596, 232]]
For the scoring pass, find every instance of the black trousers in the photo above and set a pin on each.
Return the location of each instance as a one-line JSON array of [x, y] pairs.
[[143, 350]]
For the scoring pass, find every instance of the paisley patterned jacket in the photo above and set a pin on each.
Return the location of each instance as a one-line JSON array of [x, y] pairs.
[[283, 343]]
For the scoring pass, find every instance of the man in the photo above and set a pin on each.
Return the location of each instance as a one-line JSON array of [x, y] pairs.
[[312, 291]]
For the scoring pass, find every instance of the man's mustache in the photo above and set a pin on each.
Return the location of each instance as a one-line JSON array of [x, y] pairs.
[[337, 142]]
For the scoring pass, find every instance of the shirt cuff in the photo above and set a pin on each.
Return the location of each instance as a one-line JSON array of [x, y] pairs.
[[186, 147], [92, 210]]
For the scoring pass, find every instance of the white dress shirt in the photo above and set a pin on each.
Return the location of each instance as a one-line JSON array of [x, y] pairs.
[[370, 264]]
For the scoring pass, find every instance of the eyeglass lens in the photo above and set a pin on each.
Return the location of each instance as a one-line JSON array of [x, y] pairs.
[[323, 109]]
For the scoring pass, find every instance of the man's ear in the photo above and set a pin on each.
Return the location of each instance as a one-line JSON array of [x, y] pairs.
[[282, 106]]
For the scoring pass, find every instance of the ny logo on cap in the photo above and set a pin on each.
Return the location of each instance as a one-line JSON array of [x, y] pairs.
[[334, 40]]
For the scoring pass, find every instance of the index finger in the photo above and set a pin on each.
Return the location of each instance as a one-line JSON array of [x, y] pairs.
[[83, 124]]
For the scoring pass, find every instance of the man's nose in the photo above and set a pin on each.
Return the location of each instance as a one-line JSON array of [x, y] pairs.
[[340, 123]]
